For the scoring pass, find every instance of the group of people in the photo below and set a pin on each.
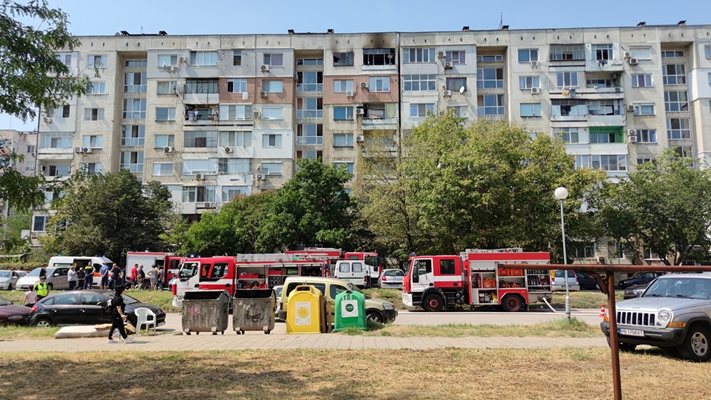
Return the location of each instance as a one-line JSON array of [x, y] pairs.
[[83, 277], [152, 280]]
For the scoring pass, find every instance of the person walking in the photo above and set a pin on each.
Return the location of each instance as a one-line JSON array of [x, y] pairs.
[[153, 277], [88, 276], [140, 277], [104, 272], [72, 277], [134, 275], [161, 277], [43, 271], [41, 288], [115, 276], [118, 316], [30, 297]]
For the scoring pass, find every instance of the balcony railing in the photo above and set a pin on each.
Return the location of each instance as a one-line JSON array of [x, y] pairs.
[[134, 89], [309, 113], [133, 167], [309, 87], [313, 140], [132, 141]]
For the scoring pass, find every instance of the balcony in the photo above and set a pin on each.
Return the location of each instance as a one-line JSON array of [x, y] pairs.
[[379, 123], [201, 115], [134, 89], [309, 87], [135, 168], [132, 141], [309, 140], [201, 98], [613, 65], [308, 114]]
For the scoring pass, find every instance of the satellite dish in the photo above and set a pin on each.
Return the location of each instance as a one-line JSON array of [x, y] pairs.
[[461, 89]]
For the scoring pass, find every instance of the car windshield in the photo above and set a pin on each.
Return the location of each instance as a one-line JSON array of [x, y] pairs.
[[682, 287], [35, 272], [187, 271], [4, 302], [5, 274], [278, 290], [129, 300], [393, 272]]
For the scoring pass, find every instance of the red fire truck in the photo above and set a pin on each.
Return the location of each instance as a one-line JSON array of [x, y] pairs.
[[169, 261], [473, 278]]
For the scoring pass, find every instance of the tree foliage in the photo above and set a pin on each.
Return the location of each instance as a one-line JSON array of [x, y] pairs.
[[16, 190], [664, 206], [109, 214], [31, 75]]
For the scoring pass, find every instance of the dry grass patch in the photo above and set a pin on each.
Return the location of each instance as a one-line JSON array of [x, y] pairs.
[[26, 332], [369, 374]]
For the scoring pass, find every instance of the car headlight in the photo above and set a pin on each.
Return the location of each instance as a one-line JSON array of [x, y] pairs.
[[664, 316], [387, 306]]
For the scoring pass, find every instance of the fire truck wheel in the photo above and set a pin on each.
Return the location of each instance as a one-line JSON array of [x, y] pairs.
[[433, 302], [512, 303]]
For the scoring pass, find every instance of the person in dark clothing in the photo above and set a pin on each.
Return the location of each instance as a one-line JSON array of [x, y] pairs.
[[81, 275], [43, 271], [118, 316]]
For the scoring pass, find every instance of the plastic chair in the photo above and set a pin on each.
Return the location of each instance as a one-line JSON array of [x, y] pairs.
[[145, 317]]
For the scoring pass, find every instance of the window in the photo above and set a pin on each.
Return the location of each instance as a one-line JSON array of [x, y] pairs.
[[422, 82], [203, 58], [342, 113], [167, 87], [92, 141], [676, 101], [582, 161], [200, 139], [610, 163], [237, 85], [273, 59], [423, 267], [489, 78], [134, 108], [271, 140], [456, 84], [162, 168], [602, 52], [132, 135], [378, 57], [342, 140], [132, 161], [641, 53], [62, 112], [193, 194], [236, 138], [309, 134], [93, 168], [343, 59], [674, 74], [56, 170], [602, 134], [379, 84], [527, 55], [491, 104], [421, 110], [309, 61], [446, 267], [94, 61], [271, 168], [709, 78], [167, 60], [309, 81], [562, 52], [348, 165], [309, 154], [164, 114], [459, 111], [236, 112], [569, 108], [642, 80], [39, 223], [273, 86], [530, 110], [236, 57], [707, 51], [528, 82], [644, 109], [192, 167], [490, 58], [164, 141], [568, 135], [233, 166], [416, 55], [605, 107], [230, 192], [65, 300], [272, 113], [55, 140], [96, 87], [202, 86], [455, 57], [646, 135], [135, 63], [672, 53], [93, 114], [644, 160], [342, 85], [567, 79], [598, 83], [678, 129], [65, 58], [683, 151], [134, 82]]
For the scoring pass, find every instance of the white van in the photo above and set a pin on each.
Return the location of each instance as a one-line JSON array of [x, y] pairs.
[[81, 262], [353, 271]]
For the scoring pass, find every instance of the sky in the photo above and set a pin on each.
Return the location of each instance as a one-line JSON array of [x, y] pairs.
[[181, 17]]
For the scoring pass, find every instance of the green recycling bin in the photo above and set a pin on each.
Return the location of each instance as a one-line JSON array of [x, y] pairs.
[[350, 311]]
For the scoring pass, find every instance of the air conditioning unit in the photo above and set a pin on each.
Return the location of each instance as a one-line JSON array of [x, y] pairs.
[[534, 64], [535, 90], [633, 61], [626, 54], [359, 138], [360, 111], [168, 149], [263, 94], [364, 85], [86, 150], [350, 93], [630, 108], [77, 149], [633, 139], [228, 149], [447, 65], [631, 132], [448, 93], [199, 177], [264, 68]]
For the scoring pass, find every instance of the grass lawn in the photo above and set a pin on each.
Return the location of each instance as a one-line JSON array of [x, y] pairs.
[[559, 328], [26, 332], [362, 374]]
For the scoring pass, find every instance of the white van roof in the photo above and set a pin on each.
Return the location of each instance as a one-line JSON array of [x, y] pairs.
[[70, 259]]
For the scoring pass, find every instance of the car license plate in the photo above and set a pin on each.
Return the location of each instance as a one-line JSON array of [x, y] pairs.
[[631, 332]]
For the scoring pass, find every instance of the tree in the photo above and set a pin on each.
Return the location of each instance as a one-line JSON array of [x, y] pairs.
[[664, 206], [311, 208], [109, 214], [31, 75]]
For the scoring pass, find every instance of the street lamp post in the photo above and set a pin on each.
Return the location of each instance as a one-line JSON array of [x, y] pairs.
[[561, 194]]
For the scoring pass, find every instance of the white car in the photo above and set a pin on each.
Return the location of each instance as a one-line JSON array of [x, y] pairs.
[[56, 278], [391, 278], [559, 281], [8, 279], [277, 293]]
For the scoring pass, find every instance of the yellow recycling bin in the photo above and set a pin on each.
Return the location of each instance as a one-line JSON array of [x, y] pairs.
[[305, 311]]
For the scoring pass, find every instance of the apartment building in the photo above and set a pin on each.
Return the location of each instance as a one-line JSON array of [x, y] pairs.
[[216, 116]]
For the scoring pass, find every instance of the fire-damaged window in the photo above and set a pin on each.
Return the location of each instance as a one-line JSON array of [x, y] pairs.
[[378, 56], [446, 267]]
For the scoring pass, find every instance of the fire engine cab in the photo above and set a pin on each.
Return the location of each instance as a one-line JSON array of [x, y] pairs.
[[474, 278]]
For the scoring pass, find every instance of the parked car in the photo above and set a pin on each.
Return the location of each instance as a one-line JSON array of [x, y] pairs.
[[13, 314], [277, 292], [56, 278], [587, 281], [391, 278], [85, 307], [638, 279], [558, 282], [634, 291], [8, 278], [376, 310]]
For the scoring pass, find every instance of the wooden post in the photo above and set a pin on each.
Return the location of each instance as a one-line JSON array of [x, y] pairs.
[[614, 343]]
